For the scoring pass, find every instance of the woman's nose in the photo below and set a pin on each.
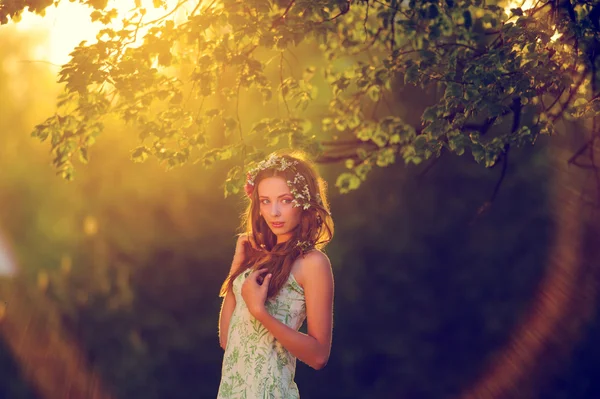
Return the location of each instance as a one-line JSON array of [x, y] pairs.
[[275, 210]]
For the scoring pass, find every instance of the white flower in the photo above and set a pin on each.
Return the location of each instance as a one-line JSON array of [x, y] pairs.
[[281, 164]]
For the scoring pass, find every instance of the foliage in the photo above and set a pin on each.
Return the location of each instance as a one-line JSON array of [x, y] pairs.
[[179, 81], [134, 258]]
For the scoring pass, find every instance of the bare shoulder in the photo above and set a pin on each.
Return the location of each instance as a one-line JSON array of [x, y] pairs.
[[317, 258], [314, 265]]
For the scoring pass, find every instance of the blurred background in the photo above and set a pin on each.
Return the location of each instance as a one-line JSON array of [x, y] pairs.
[[112, 279]]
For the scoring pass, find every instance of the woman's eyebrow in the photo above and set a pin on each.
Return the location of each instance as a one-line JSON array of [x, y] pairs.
[[282, 195]]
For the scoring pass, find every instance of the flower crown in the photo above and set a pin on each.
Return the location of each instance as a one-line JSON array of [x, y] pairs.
[[301, 198]]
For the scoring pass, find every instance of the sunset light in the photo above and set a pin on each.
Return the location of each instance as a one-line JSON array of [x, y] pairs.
[[556, 35], [523, 4], [7, 263], [185, 182], [65, 26]]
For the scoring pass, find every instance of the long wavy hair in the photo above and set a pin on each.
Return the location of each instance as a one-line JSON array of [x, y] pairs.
[[315, 229]]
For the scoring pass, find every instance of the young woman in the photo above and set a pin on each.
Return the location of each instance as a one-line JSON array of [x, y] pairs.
[[279, 277]]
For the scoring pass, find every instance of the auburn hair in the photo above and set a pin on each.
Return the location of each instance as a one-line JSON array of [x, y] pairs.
[[315, 227]]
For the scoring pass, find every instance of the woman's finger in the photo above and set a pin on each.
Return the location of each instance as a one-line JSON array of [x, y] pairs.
[[266, 280], [257, 275], [260, 271], [252, 242]]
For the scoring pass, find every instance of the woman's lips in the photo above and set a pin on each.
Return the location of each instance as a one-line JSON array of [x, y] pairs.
[[277, 224]]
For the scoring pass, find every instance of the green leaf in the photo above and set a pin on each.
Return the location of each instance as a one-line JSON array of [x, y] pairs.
[[453, 90], [327, 124], [231, 187], [374, 93], [365, 133], [140, 154], [380, 138], [409, 154], [267, 94], [490, 159], [516, 11], [211, 113], [98, 4], [386, 157], [362, 170], [420, 143], [430, 114], [362, 153], [83, 155], [225, 154], [407, 133], [95, 15], [260, 127], [230, 123], [347, 182], [411, 75], [458, 143], [478, 152]]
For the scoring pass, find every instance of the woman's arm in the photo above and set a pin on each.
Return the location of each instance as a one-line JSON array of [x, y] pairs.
[[312, 348], [225, 317], [228, 304]]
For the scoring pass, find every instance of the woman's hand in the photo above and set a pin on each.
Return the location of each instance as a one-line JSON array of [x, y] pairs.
[[245, 243], [254, 291]]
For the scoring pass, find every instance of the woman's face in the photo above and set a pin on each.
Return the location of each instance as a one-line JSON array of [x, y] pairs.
[[277, 208]]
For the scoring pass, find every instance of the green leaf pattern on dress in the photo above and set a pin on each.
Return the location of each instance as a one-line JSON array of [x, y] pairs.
[[255, 364]]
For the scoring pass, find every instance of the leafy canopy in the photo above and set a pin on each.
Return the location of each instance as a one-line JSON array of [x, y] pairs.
[[176, 80]]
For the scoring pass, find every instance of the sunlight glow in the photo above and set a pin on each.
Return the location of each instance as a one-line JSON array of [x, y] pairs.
[[523, 4], [556, 34], [7, 262], [526, 5], [65, 26]]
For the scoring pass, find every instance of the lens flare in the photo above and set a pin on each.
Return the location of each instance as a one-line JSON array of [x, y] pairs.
[[8, 267]]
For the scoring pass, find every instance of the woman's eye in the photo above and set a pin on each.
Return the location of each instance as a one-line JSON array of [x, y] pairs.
[[286, 201]]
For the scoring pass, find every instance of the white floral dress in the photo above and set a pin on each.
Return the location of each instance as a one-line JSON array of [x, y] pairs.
[[255, 364]]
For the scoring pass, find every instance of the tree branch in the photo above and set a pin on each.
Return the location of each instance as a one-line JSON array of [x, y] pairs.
[[325, 159], [342, 142], [587, 145], [366, 19], [516, 108], [282, 87], [595, 168], [430, 166], [481, 128], [343, 10], [285, 13], [572, 93], [179, 4], [237, 112], [503, 173]]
